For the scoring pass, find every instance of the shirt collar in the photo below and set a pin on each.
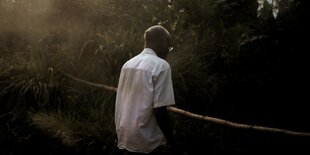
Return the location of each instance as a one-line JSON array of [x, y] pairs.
[[149, 51]]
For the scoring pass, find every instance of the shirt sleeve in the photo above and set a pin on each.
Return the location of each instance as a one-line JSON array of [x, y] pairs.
[[163, 89]]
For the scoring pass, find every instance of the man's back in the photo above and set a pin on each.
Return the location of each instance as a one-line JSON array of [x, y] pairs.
[[145, 83]]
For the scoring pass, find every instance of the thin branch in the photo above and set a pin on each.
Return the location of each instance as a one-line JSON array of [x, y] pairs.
[[201, 117], [110, 88], [4, 115], [235, 125]]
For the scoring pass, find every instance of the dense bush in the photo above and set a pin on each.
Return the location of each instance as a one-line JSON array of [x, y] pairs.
[[230, 61]]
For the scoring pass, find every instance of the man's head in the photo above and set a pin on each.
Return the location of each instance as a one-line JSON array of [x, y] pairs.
[[159, 39]]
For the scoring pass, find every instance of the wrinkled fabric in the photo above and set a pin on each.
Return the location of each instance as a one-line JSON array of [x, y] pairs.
[[145, 83]]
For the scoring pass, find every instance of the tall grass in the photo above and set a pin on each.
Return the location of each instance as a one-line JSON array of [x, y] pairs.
[[81, 116], [92, 40], [85, 128]]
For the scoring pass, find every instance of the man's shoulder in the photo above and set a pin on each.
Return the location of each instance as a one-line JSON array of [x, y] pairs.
[[131, 60], [163, 63], [159, 63], [147, 62]]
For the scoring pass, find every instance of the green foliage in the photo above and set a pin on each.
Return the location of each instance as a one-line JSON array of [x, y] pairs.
[[57, 125], [226, 63], [87, 126], [30, 79]]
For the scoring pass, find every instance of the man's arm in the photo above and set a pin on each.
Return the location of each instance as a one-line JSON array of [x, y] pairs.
[[163, 120]]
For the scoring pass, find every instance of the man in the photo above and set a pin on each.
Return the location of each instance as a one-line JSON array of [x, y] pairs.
[[144, 92]]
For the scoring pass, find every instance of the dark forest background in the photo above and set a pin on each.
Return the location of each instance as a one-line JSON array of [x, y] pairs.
[[241, 60]]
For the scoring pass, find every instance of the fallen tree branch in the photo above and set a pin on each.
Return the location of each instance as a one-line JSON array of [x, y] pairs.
[[201, 117], [235, 125], [89, 83], [4, 115]]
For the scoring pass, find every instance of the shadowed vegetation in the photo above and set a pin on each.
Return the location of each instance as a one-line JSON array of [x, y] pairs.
[[231, 60]]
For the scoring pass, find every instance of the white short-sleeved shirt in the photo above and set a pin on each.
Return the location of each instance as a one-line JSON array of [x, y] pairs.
[[145, 83]]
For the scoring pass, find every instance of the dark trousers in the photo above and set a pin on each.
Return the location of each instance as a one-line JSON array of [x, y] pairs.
[[157, 151]]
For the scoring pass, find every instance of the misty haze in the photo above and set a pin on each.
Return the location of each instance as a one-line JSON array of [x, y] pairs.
[[238, 60]]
